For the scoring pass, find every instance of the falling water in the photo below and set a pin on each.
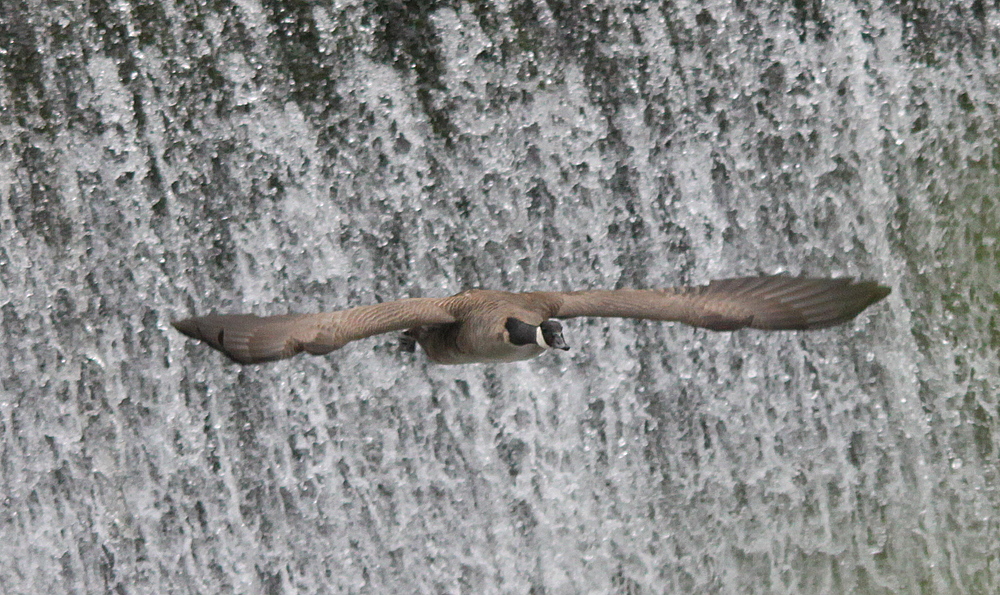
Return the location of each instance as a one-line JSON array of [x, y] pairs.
[[164, 159]]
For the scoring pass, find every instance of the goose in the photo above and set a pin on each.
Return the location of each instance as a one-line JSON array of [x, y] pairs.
[[478, 325]]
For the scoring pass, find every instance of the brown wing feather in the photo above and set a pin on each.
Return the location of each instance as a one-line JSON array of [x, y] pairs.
[[770, 303], [250, 339]]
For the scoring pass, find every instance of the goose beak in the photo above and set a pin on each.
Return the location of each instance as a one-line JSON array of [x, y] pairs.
[[557, 342], [550, 335]]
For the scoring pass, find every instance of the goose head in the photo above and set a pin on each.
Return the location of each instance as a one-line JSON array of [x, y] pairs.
[[547, 335]]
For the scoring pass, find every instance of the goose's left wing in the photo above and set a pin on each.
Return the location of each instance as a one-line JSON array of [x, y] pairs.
[[250, 339], [770, 303]]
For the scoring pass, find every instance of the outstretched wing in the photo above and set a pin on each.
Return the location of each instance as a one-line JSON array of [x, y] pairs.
[[249, 339], [770, 303]]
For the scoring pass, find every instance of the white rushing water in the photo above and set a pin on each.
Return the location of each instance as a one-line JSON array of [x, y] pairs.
[[161, 160]]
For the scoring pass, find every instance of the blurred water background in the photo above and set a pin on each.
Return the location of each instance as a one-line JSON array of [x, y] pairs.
[[161, 159]]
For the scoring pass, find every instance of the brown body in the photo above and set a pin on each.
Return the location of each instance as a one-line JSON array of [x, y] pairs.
[[479, 334], [470, 327]]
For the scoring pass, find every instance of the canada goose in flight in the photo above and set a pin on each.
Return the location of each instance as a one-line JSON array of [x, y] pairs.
[[498, 326]]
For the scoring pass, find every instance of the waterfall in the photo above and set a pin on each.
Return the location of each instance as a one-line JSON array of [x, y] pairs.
[[159, 160]]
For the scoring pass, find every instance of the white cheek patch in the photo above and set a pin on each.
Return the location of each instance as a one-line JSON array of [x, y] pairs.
[[540, 339]]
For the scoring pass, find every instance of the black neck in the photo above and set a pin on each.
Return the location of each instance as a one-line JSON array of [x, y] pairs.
[[521, 333]]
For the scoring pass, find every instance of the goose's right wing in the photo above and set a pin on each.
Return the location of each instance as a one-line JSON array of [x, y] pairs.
[[771, 303], [250, 339]]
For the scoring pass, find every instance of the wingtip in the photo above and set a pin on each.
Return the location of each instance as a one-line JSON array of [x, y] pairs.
[[209, 329], [186, 326], [803, 303], [243, 338], [876, 292], [867, 293]]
